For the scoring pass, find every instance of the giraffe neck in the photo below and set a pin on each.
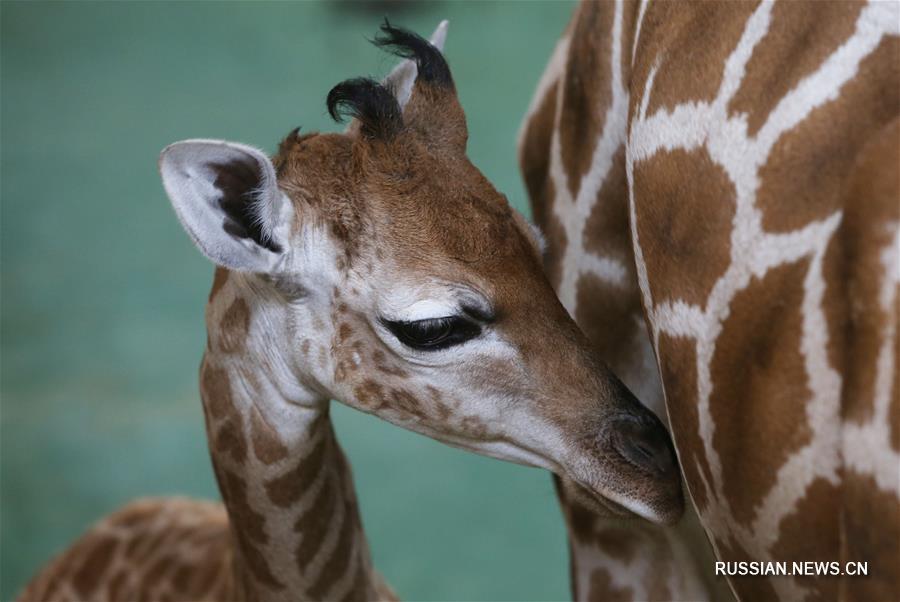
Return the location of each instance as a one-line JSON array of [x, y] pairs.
[[284, 480]]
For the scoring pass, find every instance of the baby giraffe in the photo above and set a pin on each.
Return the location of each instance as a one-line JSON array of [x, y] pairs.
[[379, 268]]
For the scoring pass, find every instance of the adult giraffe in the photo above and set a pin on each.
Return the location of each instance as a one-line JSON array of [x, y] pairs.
[[380, 268], [718, 184]]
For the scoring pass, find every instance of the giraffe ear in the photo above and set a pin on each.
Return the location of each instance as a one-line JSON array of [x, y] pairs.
[[227, 198]]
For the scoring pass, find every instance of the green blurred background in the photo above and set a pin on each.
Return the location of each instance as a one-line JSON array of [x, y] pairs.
[[103, 294]]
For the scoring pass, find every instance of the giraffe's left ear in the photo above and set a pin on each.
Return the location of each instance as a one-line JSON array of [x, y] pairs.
[[227, 198]]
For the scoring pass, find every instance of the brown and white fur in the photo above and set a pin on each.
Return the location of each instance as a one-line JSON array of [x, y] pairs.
[[719, 184], [379, 268]]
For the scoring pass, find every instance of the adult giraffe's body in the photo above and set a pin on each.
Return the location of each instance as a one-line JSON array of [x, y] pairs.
[[718, 186], [380, 268]]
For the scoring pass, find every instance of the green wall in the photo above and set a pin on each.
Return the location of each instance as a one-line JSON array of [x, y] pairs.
[[103, 295]]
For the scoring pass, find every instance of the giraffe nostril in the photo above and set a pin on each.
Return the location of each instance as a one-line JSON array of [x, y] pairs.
[[644, 445]]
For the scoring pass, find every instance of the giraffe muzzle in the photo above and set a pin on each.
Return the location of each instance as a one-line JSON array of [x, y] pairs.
[[632, 465]]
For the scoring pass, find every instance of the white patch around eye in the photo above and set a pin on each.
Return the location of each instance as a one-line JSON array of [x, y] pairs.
[[428, 309], [426, 301]]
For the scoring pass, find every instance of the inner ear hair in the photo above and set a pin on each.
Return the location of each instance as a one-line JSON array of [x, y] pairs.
[[239, 182]]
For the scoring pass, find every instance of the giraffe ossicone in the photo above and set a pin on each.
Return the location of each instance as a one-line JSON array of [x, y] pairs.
[[380, 268]]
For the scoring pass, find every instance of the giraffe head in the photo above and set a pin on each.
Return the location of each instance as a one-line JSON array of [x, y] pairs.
[[382, 269]]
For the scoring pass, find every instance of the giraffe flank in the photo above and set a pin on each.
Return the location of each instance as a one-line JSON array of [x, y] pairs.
[[379, 268], [719, 185]]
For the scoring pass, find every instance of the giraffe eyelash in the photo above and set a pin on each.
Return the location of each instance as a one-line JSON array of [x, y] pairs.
[[433, 334]]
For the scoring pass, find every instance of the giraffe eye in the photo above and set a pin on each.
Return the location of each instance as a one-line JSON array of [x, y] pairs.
[[434, 333]]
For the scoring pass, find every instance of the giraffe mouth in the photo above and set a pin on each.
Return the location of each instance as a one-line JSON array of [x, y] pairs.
[[602, 499], [631, 494], [624, 507], [587, 496]]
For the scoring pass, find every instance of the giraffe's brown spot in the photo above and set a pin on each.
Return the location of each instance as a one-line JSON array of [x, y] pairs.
[[220, 277], [534, 157], [534, 161], [181, 577], [384, 365], [747, 588], [796, 44], [835, 303], [267, 444], [344, 332], [216, 389], [610, 317], [434, 393], [96, 561], [284, 491], [691, 63], [580, 518], [602, 588], [118, 586], [232, 332], [658, 580], [359, 591], [369, 393], [209, 534], [811, 532], [229, 439], [867, 231], [678, 362], [401, 399], [474, 426], [619, 543], [341, 369], [338, 563], [316, 521], [809, 167], [139, 549], [154, 574], [223, 420], [685, 207], [760, 393], [443, 411], [607, 231], [871, 517], [249, 528], [209, 572], [587, 89]]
